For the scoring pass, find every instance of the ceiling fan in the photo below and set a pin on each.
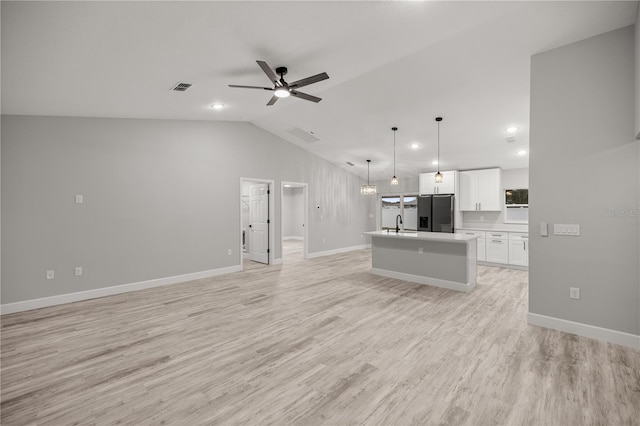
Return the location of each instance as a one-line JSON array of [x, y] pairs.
[[281, 88]]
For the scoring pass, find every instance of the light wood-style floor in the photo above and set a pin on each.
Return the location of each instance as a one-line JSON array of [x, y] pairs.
[[311, 342]]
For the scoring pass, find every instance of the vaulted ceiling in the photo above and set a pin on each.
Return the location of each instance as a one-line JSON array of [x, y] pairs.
[[390, 64]]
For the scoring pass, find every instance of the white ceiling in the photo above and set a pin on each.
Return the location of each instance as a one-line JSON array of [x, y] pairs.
[[390, 64]]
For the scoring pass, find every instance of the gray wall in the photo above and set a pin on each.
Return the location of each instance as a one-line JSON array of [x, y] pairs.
[[293, 212], [637, 54], [584, 168], [161, 198]]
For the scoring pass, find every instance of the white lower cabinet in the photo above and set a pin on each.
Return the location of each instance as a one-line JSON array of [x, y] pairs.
[[497, 247], [518, 249], [508, 248], [482, 248]]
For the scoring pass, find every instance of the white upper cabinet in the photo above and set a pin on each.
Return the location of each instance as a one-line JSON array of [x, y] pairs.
[[480, 190], [428, 186]]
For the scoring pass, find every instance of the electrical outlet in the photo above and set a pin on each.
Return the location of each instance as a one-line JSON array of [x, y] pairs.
[[78, 271], [324, 240], [51, 274], [229, 252], [420, 250], [574, 292], [79, 199]]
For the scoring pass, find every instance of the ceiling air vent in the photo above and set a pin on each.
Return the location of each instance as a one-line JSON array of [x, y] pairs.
[[181, 87], [308, 137], [350, 163], [510, 139]]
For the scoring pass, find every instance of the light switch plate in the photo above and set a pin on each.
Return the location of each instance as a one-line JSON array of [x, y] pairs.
[[79, 199], [543, 229], [566, 229]]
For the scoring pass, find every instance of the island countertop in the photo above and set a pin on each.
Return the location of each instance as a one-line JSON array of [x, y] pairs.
[[426, 236]]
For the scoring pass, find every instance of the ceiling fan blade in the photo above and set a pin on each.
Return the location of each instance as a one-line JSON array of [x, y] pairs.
[[273, 100], [305, 96], [269, 72], [250, 87], [309, 80]]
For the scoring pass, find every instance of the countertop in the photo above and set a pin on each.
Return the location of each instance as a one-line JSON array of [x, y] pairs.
[[525, 231], [427, 236]]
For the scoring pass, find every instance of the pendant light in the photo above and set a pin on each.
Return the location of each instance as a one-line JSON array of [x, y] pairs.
[[438, 175], [394, 180], [368, 189]]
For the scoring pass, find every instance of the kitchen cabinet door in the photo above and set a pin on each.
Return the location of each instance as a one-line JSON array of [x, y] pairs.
[[518, 249], [468, 191], [481, 243], [480, 190], [427, 184], [489, 182], [448, 185], [497, 250], [482, 249]]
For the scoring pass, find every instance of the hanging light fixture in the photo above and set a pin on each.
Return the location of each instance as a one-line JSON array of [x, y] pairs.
[[368, 189], [438, 175], [394, 180]]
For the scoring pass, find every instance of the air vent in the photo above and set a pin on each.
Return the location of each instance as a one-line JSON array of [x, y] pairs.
[[350, 163], [181, 87], [308, 137], [510, 139]]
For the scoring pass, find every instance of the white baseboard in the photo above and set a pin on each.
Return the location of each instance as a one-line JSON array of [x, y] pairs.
[[27, 305], [502, 265], [337, 251], [585, 330], [451, 285], [293, 238]]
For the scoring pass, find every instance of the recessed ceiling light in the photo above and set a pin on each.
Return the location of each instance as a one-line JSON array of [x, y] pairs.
[[287, 186], [522, 152], [512, 129], [434, 162], [415, 145], [217, 106]]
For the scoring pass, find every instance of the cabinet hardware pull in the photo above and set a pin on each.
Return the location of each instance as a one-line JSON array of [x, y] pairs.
[[496, 241]]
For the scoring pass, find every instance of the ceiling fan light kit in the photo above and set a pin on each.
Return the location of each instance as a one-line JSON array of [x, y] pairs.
[[282, 89]]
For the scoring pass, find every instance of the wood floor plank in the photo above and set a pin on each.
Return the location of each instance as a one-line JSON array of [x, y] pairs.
[[310, 342]]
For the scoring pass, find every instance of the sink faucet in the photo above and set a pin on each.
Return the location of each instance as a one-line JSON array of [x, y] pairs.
[[397, 226]]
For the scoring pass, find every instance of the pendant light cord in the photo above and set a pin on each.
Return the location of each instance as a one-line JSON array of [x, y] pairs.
[[394, 151], [438, 147]]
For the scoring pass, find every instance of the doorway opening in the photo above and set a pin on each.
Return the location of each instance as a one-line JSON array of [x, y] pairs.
[[294, 221], [256, 225]]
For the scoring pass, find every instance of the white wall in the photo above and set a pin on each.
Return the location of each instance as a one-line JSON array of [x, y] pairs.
[[511, 179], [584, 169], [161, 199], [293, 213]]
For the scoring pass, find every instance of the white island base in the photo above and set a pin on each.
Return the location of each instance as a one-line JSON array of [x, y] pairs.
[[432, 258]]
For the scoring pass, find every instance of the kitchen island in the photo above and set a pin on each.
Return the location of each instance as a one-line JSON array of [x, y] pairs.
[[432, 258]]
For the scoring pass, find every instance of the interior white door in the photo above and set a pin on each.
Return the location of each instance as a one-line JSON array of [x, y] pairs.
[[259, 222]]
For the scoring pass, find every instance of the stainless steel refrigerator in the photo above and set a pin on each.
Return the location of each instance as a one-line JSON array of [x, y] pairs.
[[435, 213]]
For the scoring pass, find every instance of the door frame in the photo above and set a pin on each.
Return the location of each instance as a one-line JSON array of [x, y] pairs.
[[271, 227], [305, 215]]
